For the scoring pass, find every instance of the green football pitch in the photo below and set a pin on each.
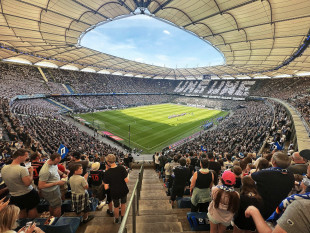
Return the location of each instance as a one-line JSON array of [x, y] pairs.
[[150, 126]]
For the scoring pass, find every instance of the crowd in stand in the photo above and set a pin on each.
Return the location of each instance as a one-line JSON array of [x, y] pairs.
[[24, 80], [234, 145], [302, 104], [244, 190], [88, 103], [209, 103], [49, 179], [282, 88], [244, 131], [35, 107]]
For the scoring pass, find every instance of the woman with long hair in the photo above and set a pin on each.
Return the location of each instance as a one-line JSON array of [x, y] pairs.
[[8, 217], [248, 196], [224, 204]]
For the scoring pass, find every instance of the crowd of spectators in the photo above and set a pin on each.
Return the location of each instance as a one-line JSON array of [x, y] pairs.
[[63, 132], [106, 83], [282, 88], [244, 131], [88, 103], [215, 87], [302, 104], [209, 103], [24, 80], [35, 107], [245, 190]]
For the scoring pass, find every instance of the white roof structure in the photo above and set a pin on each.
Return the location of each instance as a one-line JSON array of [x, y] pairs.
[[256, 37]]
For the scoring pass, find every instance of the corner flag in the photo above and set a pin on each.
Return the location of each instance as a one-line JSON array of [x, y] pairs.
[[63, 151]]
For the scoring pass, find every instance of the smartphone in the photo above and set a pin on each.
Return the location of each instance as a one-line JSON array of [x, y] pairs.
[[7, 197], [28, 224]]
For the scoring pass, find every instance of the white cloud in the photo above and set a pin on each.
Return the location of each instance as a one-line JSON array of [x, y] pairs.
[[166, 32]]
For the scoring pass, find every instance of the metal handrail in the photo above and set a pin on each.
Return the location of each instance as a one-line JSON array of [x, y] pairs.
[[133, 202]]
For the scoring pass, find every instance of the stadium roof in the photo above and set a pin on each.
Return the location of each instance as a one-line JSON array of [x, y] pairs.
[[257, 37]]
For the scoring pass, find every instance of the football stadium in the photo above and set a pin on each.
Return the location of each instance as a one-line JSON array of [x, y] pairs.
[[154, 116]]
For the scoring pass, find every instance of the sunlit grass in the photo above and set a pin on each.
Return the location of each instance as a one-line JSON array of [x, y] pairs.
[[150, 128]]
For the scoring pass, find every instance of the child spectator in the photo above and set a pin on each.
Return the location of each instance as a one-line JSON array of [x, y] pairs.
[[248, 196], [238, 172], [116, 178], [79, 194], [262, 164], [95, 182], [224, 204]]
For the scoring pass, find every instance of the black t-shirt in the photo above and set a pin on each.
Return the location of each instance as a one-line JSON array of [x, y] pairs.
[[36, 170], [181, 176], [95, 178], [215, 166], [162, 160], [115, 178], [239, 219], [273, 186], [126, 161], [238, 183]]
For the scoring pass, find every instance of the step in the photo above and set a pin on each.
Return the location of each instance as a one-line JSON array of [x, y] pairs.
[[157, 212], [156, 227], [154, 196], [154, 205], [153, 219], [100, 228], [151, 181], [155, 191], [152, 187]]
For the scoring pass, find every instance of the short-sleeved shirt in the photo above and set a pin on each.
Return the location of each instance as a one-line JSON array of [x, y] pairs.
[[181, 176], [95, 178], [49, 174], [115, 178], [77, 184], [215, 166], [36, 170], [12, 176], [296, 218]]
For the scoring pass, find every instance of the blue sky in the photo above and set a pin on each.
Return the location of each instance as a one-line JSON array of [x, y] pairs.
[[145, 39]]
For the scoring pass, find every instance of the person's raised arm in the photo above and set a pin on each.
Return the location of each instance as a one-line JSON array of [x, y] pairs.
[[261, 225]]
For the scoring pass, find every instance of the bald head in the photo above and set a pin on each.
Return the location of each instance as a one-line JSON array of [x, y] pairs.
[[297, 158]]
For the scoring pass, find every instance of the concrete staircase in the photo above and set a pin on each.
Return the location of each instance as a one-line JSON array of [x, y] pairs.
[[155, 211]]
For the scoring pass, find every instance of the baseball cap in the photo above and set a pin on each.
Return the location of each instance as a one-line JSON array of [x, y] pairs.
[[229, 177], [95, 166]]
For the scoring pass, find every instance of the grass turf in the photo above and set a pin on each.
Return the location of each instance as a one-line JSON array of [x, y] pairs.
[[150, 128]]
